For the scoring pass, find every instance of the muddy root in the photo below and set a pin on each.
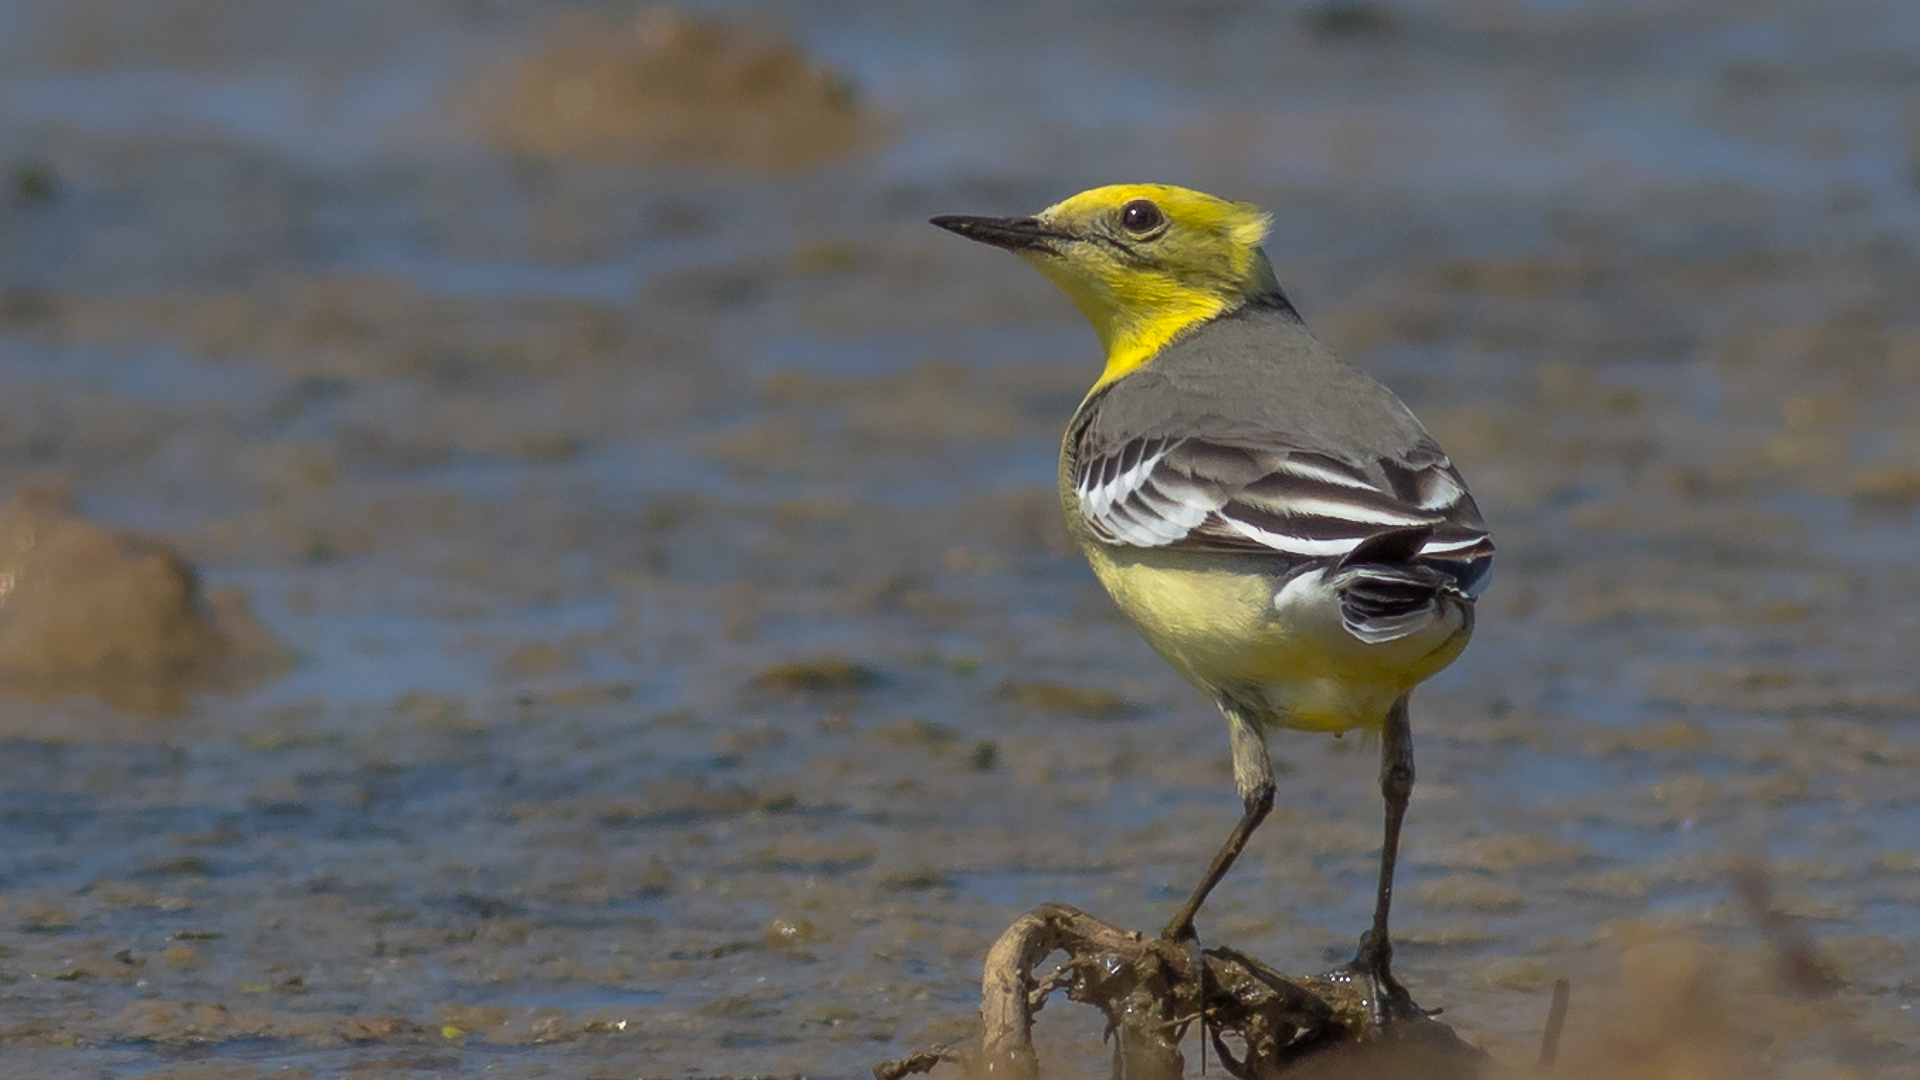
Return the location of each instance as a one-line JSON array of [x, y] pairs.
[[1260, 1023]]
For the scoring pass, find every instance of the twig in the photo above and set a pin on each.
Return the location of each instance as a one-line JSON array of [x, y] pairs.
[[1801, 967], [1556, 1022], [920, 1062], [1059, 979]]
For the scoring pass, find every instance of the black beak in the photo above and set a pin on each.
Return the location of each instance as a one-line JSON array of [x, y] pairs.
[[1014, 234]]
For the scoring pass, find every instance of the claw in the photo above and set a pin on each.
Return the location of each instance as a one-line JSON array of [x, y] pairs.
[[1198, 964], [1387, 1000]]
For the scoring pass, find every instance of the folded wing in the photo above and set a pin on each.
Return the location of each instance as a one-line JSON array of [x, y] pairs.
[[1262, 496]]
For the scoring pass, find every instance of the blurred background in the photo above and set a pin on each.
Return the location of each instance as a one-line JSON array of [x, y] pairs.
[[522, 554]]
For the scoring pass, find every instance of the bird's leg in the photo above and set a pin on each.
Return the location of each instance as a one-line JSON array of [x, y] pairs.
[[1375, 959], [1253, 774]]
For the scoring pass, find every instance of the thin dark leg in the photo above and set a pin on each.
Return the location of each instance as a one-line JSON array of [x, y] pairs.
[[1253, 776], [1375, 958], [1258, 804]]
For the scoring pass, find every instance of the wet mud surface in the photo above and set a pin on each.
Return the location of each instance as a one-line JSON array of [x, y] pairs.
[[673, 664]]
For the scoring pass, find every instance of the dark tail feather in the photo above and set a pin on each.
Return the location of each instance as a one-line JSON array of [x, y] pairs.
[[1395, 547], [1384, 593]]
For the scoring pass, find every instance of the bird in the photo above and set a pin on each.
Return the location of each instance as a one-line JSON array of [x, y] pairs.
[[1275, 522]]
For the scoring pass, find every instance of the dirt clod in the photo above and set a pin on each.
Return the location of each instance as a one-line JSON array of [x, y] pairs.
[[84, 609], [673, 88]]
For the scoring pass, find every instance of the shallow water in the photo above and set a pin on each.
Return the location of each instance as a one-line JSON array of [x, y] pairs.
[[544, 468]]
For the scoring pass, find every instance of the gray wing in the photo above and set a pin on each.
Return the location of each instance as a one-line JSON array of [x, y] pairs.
[[1262, 495]]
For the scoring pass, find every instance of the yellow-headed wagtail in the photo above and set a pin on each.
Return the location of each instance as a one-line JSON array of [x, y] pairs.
[[1275, 523]]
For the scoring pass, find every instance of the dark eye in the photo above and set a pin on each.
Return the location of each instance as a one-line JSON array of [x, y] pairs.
[[1141, 217]]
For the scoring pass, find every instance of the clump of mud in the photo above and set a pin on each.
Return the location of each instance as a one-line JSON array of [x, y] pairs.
[[670, 89], [86, 610], [1674, 1008]]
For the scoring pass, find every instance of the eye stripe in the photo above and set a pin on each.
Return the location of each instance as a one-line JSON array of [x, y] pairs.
[[1123, 249]]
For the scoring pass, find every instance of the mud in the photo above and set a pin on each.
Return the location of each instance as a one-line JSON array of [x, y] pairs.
[[669, 89], [84, 610], [686, 672]]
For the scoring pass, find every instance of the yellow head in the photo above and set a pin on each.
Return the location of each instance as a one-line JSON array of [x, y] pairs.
[[1145, 262]]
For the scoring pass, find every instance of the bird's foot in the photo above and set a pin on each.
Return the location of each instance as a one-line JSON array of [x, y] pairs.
[[1387, 1000], [1181, 932]]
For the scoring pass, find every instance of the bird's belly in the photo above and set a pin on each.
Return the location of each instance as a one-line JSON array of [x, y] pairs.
[[1216, 621]]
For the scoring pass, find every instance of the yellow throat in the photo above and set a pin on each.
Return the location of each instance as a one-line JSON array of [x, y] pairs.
[[1199, 258]]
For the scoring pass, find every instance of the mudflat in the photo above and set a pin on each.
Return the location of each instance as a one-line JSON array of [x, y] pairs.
[[636, 634]]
